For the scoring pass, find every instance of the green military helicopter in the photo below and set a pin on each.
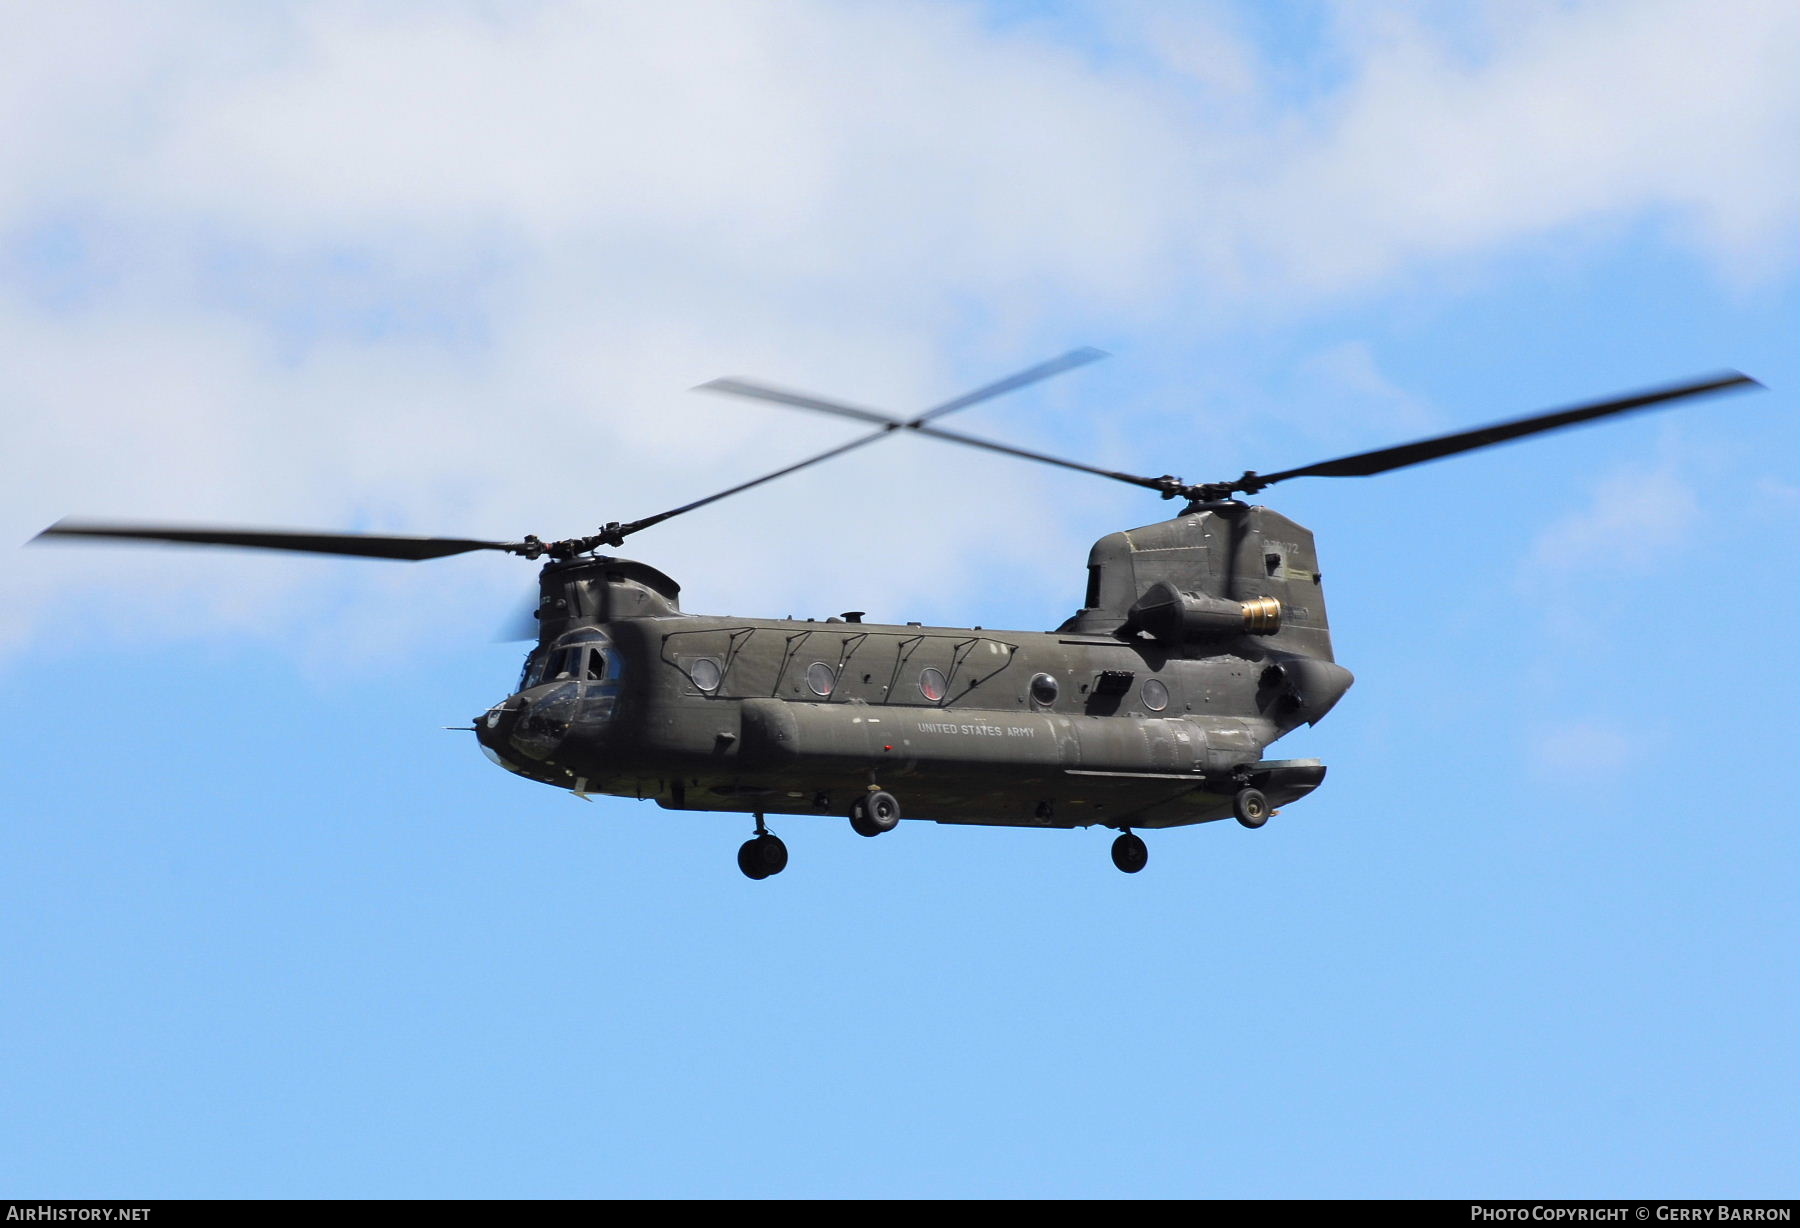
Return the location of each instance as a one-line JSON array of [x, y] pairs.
[[1202, 640]]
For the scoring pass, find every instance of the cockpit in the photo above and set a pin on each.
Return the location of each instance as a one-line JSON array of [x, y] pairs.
[[585, 659], [570, 687]]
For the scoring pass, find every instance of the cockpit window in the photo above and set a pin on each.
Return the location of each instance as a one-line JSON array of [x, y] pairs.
[[575, 664], [564, 665], [585, 661]]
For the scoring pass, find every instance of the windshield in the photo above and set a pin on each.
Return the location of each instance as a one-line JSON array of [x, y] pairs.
[[583, 662]]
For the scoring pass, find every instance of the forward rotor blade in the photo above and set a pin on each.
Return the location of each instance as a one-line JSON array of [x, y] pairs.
[[1366, 464], [521, 622], [763, 392], [859, 441], [1030, 375], [357, 545], [802, 400]]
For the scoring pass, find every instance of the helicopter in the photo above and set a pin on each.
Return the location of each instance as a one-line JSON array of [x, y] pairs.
[[1201, 640]]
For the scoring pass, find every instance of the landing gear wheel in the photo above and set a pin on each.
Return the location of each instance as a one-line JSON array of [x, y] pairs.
[[762, 856], [878, 812], [1130, 853], [1250, 807]]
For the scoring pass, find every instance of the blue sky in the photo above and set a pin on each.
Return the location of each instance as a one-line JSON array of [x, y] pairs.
[[270, 930]]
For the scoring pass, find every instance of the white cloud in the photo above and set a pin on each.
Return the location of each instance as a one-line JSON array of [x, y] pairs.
[[1347, 377], [1634, 519], [452, 269], [1573, 114]]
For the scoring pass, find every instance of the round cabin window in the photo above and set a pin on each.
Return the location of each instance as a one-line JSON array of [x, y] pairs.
[[705, 674], [820, 677], [931, 684], [1156, 695], [1043, 689]]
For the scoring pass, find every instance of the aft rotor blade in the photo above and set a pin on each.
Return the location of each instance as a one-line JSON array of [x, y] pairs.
[[803, 400], [763, 392], [1031, 375], [799, 400], [1366, 464], [974, 441], [358, 545]]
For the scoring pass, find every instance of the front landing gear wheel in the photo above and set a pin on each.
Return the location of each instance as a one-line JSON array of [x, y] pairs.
[[1130, 853], [1250, 807], [878, 812], [762, 856]]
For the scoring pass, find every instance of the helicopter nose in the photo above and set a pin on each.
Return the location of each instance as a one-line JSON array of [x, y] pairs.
[[494, 730], [495, 725], [532, 725]]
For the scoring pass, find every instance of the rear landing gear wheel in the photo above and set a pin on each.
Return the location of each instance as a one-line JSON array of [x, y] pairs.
[[1130, 853], [762, 856], [1250, 807], [877, 813]]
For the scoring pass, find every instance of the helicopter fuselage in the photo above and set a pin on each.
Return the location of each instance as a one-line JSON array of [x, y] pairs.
[[1099, 722]]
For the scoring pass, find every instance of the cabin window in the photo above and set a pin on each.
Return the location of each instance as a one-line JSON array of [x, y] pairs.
[[706, 675], [1156, 695], [931, 684], [1043, 690], [820, 678]]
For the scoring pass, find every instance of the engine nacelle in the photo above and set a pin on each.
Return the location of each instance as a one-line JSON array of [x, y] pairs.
[[1174, 617]]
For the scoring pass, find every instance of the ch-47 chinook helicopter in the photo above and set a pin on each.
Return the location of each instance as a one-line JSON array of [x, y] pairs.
[[1201, 641]]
